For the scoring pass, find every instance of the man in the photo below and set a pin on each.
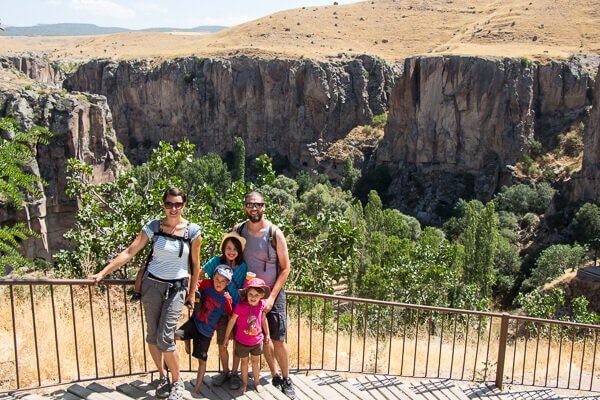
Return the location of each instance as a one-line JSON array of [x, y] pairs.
[[266, 255]]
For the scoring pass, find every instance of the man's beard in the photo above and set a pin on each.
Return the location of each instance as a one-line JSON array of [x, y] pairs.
[[255, 218]]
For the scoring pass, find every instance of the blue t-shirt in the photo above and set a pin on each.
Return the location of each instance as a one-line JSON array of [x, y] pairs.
[[214, 305], [239, 276]]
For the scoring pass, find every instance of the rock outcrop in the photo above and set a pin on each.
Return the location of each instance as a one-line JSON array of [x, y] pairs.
[[294, 109], [39, 69], [81, 127], [585, 185], [457, 123]]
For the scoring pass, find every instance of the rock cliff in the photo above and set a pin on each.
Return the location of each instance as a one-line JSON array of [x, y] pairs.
[[294, 109], [457, 123], [585, 186], [39, 69], [82, 129]]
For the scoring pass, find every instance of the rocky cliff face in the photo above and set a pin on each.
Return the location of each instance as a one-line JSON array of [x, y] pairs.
[[294, 109], [456, 123], [585, 186], [38, 69], [82, 129]]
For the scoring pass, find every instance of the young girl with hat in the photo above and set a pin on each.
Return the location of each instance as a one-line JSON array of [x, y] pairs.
[[251, 329]]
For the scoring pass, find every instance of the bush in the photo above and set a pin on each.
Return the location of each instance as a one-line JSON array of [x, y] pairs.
[[535, 148], [521, 199], [379, 121], [572, 145], [553, 262], [586, 223]]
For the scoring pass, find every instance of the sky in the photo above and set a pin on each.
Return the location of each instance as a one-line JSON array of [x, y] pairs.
[[138, 14]]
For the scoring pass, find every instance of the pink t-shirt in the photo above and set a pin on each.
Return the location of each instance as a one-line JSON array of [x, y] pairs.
[[249, 323]]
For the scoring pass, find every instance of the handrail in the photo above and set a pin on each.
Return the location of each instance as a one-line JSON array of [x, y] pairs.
[[476, 345], [120, 282]]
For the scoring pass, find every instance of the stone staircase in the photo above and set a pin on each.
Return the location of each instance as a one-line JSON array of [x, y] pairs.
[[319, 386]]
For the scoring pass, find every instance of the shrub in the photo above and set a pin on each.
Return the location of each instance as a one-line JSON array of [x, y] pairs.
[[535, 148], [586, 223], [379, 121], [572, 145], [553, 262], [521, 199], [525, 62]]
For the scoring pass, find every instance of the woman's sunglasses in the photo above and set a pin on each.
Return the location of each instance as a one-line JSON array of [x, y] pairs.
[[177, 206]]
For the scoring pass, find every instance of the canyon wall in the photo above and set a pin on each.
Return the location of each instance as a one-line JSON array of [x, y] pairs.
[[292, 108], [82, 129], [457, 124]]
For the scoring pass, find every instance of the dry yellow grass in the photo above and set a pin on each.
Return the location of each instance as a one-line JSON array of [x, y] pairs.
[[389, 29]]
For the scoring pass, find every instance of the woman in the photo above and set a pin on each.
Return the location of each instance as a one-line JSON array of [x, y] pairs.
[[165, 283]]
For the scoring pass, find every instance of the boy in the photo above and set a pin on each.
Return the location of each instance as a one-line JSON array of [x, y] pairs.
[[214, 303]]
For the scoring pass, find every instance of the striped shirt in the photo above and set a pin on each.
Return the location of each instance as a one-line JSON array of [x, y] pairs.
[[166, 263]]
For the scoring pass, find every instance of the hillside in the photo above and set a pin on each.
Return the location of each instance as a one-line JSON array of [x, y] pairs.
[[390, 29], [70, 29]]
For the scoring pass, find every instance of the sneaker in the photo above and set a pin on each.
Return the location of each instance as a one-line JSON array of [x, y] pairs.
[[235, 382], [177, 390], [287, 387], [163, 388], [220, 379], [277, 381]]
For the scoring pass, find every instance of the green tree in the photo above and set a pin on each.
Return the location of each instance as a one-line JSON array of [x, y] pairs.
[[480, 239], [553, 262], [239, 159], [350, 176], [17, 184], [586, 223]]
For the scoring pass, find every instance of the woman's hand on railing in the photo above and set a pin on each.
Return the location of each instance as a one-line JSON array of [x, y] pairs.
[[96, 277]]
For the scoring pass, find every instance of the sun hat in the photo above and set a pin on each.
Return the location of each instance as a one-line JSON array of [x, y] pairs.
[[255, 283], [233, 235], [225, 271]]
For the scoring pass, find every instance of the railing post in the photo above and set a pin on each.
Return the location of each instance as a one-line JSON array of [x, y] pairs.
[[502, 350]]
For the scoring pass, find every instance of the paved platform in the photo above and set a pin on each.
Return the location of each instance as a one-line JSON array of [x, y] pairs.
[[312, 386]]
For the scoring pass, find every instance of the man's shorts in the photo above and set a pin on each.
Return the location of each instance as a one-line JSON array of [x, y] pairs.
[[277, 318], [242, 351], [201, 343]]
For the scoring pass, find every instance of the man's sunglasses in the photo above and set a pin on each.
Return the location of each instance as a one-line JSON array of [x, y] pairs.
[[255, 205], [177, 206]]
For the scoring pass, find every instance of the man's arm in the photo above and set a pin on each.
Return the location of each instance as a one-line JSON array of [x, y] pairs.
[[284, 269]]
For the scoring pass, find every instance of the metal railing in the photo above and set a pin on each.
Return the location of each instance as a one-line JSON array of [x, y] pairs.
[[61, 331]]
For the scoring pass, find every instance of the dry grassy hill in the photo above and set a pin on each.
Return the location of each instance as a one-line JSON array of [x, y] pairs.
[[391, 29]]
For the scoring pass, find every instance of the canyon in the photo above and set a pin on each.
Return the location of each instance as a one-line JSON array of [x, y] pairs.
[[456, 125]]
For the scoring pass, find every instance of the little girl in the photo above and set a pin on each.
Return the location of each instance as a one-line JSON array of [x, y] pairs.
[[251, 323]]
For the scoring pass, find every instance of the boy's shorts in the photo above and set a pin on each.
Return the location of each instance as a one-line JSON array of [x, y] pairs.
[[201, 343], [242, 351]]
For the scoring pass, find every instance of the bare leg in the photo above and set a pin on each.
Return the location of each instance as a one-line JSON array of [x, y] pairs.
[[282, 356], [200, 375], [269, 357], [172, 360], [236, 361], [244, 362], [224, 356], [157, 356], [256, 372]]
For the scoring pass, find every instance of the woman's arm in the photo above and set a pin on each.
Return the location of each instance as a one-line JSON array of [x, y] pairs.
[[195, 270], [123, 258], [230, 326]]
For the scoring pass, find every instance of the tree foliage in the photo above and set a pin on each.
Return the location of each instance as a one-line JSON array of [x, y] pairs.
[[17, 184]]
